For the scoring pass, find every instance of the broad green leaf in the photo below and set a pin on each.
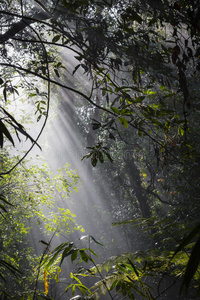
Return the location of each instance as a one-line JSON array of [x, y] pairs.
[[55, 38], [100, 156], [139, 99], [116, 110], [84, 256], [123, 121], [74, 254], [94, 159]]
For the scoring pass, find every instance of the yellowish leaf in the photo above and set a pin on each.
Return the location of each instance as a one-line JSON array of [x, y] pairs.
[[46, 286]]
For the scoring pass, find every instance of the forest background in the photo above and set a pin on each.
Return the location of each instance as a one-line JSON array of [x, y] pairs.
[[125, 76]]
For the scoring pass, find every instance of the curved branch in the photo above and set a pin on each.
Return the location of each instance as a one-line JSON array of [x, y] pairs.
[[158, 197], [21, 25], [58, 84]]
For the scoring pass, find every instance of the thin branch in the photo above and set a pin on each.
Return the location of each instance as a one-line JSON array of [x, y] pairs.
[[148, 191], [58, 84], [47, 112]]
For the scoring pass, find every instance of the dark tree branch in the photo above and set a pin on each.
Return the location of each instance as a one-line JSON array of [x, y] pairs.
[[21, 25]]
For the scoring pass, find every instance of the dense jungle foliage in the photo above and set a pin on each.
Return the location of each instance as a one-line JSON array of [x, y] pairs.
[[131, 73]]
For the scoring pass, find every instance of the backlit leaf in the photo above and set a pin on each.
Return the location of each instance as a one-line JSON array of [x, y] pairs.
[[123, 121], [46, 286]]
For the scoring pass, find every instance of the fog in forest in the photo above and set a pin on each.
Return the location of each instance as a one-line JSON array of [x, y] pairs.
[[99, 137]]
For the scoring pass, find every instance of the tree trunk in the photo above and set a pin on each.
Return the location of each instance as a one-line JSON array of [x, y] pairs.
[[135, 181]]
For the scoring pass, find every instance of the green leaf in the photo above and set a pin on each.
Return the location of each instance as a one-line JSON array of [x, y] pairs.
[[5, 94], [95, 240], [56, 72], [94, 159], [10, 267], [123, 121], [84, 256], [134, 268], [56, 38], [100, 156], [139, 99], [52, 260], [4, 130], [66, 252], [108, 155], [75, 69], [74, 255], [116, 110], [3, 198], [45, 243], [113, 284], [1, 139], [60, 247]]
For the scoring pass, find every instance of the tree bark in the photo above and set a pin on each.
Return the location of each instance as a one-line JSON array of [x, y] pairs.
[[136, 182]]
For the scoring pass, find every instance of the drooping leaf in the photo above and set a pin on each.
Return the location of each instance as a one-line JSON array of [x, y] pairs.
[[98, 243], [66, 252], [94, 159], [1, 139], [52, 260], [5, 93], [10, 267], [46, 286], [56, 72], [75, 69], [5, 131]]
